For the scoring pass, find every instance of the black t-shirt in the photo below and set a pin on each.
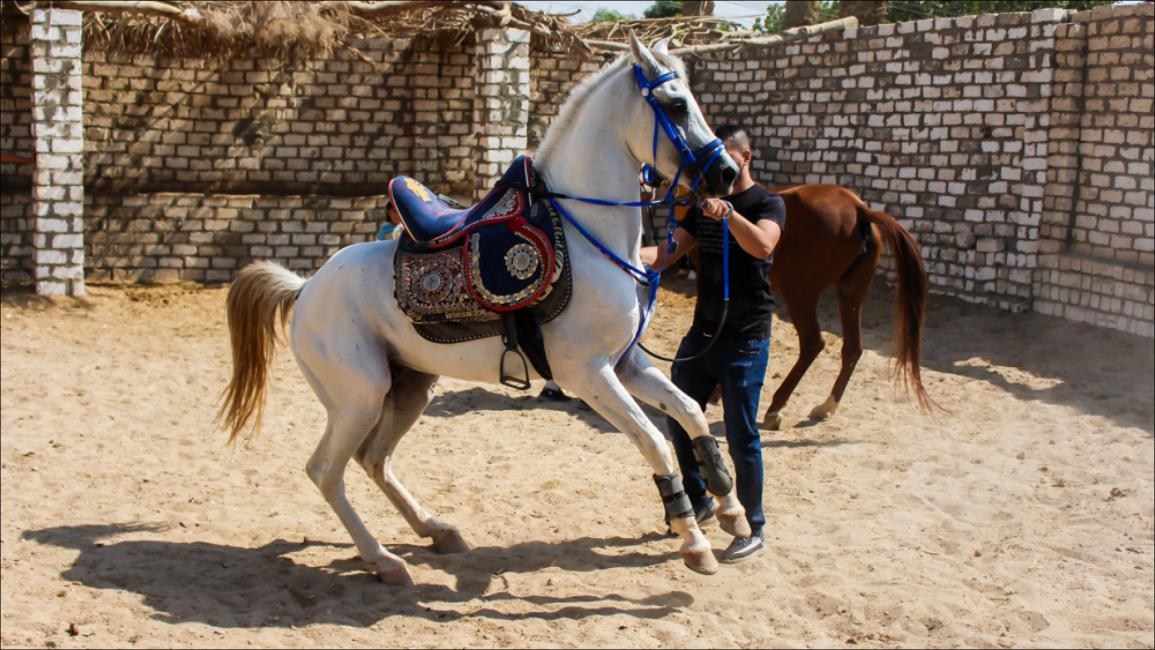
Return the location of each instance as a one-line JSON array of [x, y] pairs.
[[751, 302]]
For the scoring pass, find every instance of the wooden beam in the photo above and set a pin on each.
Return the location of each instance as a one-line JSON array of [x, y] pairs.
[[797, 33], [507, 20], [607, 45], [188, 14], [386, 7]]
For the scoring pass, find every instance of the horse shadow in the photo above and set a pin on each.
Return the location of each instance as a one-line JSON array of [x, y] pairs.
[[237, 587], [798, 443], [477, 398], [1091, 369]]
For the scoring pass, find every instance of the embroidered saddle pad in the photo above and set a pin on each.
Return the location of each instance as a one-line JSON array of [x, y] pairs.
[[505, 254]]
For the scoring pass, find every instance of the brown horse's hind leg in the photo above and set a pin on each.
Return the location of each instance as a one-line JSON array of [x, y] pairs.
[[804, 313], [853, 288]]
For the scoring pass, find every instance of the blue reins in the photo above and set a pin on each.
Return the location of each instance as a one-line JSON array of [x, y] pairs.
[[646, 275]]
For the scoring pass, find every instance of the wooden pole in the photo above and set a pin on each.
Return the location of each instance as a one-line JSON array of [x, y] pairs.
[[188, 15], [798, 33]]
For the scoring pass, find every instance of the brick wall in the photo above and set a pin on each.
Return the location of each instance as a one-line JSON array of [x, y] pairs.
[[1097, 244], [15, 236], [15, 103], [15, 138], [1025, 189], [501, 104], [1017, 148], [322, 125], [163, 237], [553, 74], [303, 135], [58, 131]]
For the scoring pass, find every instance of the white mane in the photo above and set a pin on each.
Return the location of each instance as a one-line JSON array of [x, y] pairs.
[[577, 98]]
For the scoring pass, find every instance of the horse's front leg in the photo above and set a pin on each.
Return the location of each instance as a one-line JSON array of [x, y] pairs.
[[600, 387], [650, 385]]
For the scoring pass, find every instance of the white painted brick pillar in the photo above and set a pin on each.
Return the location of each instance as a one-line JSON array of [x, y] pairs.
[[501, 107], [58, 128]]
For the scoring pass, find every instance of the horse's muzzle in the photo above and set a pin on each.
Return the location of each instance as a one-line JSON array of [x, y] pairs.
[[719, 178]]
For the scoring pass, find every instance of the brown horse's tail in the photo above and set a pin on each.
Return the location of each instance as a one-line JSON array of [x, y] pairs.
[[256, 295], [910, 308]]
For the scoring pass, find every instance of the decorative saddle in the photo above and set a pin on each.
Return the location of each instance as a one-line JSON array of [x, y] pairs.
[[499, 267]]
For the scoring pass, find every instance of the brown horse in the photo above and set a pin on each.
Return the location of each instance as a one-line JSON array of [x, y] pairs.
[[832, 238]]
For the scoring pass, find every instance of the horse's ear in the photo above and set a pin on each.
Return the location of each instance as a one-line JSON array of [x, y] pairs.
[[662, 47], [642, 55]]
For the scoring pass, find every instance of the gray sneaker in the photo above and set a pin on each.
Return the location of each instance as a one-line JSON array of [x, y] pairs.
[[743, 548]]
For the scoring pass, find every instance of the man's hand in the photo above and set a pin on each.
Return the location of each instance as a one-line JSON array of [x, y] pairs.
[[715, 208]]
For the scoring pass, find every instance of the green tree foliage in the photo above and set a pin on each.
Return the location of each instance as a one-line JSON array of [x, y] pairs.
[[903, 10], [603, 15], [828, 10], [664, 9], [776, 14]]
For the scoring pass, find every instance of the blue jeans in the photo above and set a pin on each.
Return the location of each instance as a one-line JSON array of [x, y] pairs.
[[740, 367]]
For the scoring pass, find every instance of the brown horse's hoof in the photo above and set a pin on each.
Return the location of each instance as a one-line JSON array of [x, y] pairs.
[[772, 421], [449, 541], [825, 409], [734, 523]]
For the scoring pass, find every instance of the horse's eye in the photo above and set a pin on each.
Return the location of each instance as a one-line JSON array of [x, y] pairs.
[[678, 107]]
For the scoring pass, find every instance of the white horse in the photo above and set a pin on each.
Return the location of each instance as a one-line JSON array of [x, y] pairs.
[[375, 374]]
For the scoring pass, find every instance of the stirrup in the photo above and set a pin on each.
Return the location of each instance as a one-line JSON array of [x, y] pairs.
[[509, 338], [509, 380]]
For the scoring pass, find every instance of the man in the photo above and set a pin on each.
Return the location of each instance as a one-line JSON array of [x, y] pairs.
[[392, 227], [737, 361]]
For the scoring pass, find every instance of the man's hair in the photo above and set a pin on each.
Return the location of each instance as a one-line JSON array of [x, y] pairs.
[[738, 133]]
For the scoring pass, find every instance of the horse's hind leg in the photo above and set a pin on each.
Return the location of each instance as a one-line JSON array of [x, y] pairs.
[[352, 393], [853, 289], [411, 393], [804, 314]]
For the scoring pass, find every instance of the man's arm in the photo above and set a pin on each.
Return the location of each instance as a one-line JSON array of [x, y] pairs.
[[657, 257], [758, 239]]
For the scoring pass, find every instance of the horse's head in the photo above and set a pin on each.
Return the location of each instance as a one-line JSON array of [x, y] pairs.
[[664, 96]]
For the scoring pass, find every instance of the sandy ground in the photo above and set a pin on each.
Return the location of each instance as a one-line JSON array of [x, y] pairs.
[[1023, 518]]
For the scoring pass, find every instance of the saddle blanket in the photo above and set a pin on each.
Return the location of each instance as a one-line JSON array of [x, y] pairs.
[[511, 257]]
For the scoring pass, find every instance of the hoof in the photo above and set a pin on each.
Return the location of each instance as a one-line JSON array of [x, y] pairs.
[[701, 561], [734, 522], [395, 575], [825, 409], [449, 541], [772, 421]]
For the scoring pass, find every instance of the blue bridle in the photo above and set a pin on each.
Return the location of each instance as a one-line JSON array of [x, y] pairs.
[[690, 158], [710, 151]]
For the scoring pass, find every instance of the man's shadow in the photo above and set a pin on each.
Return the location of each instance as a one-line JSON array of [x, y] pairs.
[[236, 587]]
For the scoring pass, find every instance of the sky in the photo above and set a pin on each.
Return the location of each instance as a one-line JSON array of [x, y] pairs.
[[740, 11]]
